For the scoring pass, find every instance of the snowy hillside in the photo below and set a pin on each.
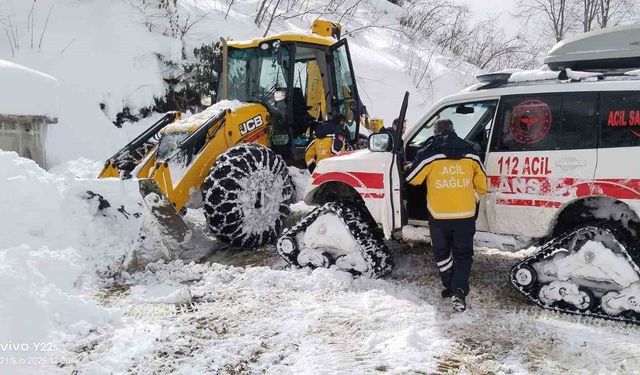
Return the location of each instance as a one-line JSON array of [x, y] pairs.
[[101, 52]]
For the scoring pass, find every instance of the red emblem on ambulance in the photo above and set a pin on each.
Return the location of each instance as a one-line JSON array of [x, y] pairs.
[[530, 121]]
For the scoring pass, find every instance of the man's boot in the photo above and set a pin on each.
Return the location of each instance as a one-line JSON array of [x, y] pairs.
[[458, 302]]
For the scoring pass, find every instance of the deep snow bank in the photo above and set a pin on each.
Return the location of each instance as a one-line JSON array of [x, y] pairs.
[[100, 52], [25, 91], [52, 243]]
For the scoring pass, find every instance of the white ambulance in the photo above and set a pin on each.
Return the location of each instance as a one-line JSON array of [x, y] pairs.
[[561, 149]]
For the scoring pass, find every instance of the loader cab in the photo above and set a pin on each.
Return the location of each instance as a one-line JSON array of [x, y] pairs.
[[300, 79]]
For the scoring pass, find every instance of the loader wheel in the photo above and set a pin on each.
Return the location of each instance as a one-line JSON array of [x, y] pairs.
[[246, 196]]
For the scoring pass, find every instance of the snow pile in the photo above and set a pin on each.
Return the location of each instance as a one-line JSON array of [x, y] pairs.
[[533, 75], [25, 91], [194, 121], [300, 179], [53, 242], [41, 209], [544, 75], [578, 75], [635, 73], [594, 261], [102, 54], [262, 320], [507, 71], [43, 298], [416, 234], [161, 293], [78, 168]]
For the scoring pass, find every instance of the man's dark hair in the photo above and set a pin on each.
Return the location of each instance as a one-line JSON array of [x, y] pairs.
[[443, 126], [338, 118]]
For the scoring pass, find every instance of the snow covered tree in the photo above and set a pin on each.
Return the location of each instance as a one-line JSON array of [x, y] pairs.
[[491, 48], [167, 18]]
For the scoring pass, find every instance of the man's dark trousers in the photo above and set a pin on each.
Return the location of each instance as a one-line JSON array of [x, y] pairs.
[[452, 242]]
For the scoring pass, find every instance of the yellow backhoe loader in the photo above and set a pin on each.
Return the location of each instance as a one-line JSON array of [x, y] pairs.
[[233, 157]]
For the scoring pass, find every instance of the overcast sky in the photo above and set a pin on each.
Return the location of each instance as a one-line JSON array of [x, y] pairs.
[[501, 8], [493, 7]]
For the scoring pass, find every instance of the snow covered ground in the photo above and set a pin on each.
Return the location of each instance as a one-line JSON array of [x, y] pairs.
[[65, 305], [260, 318]]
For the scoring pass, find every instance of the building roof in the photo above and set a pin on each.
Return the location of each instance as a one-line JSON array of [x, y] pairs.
[[24, 91]]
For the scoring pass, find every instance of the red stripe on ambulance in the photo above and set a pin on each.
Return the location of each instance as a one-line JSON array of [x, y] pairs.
[[562, 188], [529, 203], [355, 180]]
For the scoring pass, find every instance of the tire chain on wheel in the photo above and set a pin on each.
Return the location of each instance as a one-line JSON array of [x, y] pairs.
[[630, 252], [363, 229], [220, 193]]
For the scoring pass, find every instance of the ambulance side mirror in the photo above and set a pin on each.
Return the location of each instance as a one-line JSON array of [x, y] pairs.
[[380, 142]]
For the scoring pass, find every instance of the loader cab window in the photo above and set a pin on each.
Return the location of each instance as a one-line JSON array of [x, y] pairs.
[[259, 75], [308, 91], [345, 99], [472, 121]]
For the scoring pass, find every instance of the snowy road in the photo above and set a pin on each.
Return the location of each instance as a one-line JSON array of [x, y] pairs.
[[262, 318]]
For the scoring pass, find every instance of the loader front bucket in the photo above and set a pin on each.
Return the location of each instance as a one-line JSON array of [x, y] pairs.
[[173, 229], [180, 241]]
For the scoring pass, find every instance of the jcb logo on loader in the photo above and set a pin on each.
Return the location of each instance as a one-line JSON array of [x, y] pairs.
[[251, 125]]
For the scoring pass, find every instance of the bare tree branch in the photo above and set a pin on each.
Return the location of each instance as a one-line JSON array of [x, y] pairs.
[[44, 29], [555, 13], [13, 52]]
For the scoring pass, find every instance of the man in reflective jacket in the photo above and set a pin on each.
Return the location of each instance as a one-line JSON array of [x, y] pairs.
[[329, 141], [455, 179]]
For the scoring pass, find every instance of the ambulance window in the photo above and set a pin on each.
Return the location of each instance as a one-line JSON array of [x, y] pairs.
[[468, 119], [579, 120], [528, 123], [620, 119]]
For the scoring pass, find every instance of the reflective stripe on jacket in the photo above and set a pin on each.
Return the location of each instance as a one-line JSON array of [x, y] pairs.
[[454, 177]]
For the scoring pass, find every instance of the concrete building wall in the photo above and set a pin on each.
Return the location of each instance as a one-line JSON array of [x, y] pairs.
[[25, 135]]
